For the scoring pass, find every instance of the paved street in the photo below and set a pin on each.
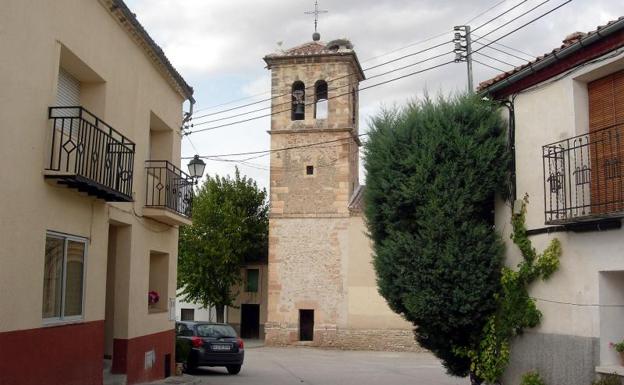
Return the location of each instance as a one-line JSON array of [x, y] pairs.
[[290, 366]]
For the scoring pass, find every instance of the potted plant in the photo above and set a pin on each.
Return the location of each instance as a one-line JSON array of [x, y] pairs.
[[152, 298], [619, 347]]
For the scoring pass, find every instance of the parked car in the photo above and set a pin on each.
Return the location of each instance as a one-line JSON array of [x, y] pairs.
[[212, 344]]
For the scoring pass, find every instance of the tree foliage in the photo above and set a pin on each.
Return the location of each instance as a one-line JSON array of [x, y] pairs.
[[230, 226], [515, 310], [432, 171]]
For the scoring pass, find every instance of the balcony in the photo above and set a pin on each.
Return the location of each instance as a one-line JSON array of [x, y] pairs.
[[169, 193], [583, 177], [90, 156]]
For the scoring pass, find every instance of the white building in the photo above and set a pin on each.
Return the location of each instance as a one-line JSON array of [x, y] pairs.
[[568, 110]]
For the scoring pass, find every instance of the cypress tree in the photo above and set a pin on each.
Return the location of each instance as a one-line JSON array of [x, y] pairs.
[[433, 169]]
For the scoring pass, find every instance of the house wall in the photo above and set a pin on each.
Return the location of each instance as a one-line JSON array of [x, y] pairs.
[[569, 343], [123, 87], [233, 313]]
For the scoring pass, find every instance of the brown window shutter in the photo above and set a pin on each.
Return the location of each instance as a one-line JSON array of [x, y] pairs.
[[606, 131]]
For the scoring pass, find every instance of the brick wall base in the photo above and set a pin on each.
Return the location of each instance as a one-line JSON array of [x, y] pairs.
[[394, 340]]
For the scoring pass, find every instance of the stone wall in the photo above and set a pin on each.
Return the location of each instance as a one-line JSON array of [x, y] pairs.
[[392, 340]]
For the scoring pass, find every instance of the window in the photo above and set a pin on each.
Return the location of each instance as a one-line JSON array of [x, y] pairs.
[[63, 277], [298, 101], [320, 100], [252, 280], [309, 170], [354, 106], [187, 314]]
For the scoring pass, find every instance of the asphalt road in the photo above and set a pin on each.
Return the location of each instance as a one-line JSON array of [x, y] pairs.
[[308, 366]]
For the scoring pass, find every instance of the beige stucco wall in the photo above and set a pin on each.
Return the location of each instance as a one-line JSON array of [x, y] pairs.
[[555, 111], [366, 308], [128, 90]]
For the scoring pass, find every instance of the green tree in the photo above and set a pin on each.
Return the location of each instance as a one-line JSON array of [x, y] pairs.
[[432, 171], [230, 226]]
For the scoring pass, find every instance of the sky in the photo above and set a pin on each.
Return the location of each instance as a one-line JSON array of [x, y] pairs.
[[218, 48]]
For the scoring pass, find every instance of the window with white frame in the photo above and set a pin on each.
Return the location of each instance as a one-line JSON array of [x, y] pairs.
[[63, 277]]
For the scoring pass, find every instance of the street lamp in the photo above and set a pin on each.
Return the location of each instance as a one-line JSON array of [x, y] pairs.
[[196, 168]]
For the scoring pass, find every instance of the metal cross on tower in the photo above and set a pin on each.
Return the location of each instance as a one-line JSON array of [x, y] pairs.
[[316, 36]]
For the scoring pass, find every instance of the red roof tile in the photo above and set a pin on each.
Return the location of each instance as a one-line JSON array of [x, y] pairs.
[[568, 41]]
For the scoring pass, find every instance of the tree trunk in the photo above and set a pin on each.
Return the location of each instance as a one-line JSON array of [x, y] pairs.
[[220, 310]]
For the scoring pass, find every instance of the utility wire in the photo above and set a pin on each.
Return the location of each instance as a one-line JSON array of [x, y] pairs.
[[508, 47], [333, 97], [506, 53], [487, 65], [498, 16], [328, 81], [523, 25], [496, 59], [330, 89], [413, 73], [278, 149], [369, 68], [365, 60]]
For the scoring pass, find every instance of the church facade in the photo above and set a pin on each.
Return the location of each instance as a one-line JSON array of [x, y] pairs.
[[321, 283]]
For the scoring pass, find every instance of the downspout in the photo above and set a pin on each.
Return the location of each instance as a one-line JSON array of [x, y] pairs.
[[511, 142], [188, 115]]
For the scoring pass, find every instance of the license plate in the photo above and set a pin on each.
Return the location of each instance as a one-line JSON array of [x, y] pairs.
[[221, 347]]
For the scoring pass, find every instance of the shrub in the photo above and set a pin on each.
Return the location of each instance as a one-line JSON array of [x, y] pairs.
[[183, 349], [432, 172], [532, 378], [609, 379]]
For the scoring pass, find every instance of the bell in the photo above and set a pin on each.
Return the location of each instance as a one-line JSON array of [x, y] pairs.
[[300, 109]]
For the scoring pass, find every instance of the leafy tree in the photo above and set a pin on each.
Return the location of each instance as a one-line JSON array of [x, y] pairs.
[[432, 171], [230, 226]]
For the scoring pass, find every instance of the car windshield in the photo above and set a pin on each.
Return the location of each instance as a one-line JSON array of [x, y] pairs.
[[216, 331]]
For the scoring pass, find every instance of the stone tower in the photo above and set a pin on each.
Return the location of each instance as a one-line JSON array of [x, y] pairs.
[[315, 114]]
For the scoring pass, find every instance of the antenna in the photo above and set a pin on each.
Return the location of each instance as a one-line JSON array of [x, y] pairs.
[[316, 36]]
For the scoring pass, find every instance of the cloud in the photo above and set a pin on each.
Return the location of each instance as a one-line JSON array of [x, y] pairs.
[[219, 45]]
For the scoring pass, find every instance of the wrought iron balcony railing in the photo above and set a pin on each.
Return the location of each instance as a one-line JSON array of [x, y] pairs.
[[583, 177], [89, 155], [168, 187]]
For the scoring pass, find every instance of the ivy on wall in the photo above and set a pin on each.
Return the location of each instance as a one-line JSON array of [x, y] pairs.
[[516, 310]]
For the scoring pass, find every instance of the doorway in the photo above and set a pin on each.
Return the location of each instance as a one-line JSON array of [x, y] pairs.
[[250, 321], [306, 325]]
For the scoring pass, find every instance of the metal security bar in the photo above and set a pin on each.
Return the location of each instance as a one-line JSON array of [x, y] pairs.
[[168, 187], [88, 154], [583, 177]]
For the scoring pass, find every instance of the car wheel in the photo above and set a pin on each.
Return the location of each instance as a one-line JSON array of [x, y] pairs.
[[233, 369]]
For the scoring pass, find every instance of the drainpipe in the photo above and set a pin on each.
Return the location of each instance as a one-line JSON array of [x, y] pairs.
[[511, 142], [188, 115]]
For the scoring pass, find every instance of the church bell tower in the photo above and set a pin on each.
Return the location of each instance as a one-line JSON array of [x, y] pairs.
[[314, 173]]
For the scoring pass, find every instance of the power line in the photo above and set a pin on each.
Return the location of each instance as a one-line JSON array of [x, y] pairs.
[[328, 81], [331, 89], [508, 47], [506, 53], [511, 21], [525, 24], [499, 15], [369, 68], [366, 60], [333, 97], [412, 73], [496, 59], [278, 149], [487, 65]]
